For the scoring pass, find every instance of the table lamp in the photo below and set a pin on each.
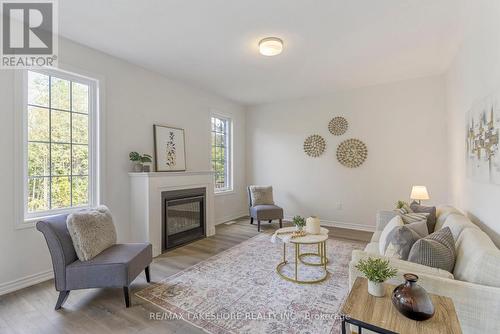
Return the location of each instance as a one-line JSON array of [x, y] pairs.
[[419, 193]]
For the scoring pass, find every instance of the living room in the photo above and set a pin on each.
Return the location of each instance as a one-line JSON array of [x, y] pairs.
[[250, 167]]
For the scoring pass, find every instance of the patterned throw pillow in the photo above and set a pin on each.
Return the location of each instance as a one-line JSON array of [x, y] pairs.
[[437, 250], [431, 210], [261, 195], [401, 239], [407, 213], [403, 208], [414, 217]]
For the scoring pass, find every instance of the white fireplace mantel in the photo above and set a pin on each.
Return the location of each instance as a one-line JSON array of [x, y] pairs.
[[145, 202]]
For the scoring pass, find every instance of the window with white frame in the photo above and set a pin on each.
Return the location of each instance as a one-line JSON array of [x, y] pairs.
[[60, 142], [221, 153]]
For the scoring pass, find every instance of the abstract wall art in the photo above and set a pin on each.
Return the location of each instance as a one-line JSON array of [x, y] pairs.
[[314, 146], [170, 155], [352, 153], [482, 138], [338, 126]]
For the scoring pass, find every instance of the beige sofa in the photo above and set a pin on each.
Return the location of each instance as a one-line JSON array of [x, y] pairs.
[[474, 284]]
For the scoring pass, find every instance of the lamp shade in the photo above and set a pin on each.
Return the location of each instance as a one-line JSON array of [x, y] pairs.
[[419, 193]]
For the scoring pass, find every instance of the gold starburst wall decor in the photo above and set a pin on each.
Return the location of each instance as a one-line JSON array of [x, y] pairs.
[[352, 153], [338, 126], [314, 145]]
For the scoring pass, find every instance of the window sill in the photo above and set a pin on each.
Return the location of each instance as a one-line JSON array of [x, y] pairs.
[[31, 221], [224, 192], [26, 224]]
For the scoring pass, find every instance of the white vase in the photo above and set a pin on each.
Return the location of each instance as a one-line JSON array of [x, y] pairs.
[[376, 289], [313, 225]]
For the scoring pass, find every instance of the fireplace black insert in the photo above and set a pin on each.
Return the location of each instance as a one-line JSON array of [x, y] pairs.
[[183, 217]]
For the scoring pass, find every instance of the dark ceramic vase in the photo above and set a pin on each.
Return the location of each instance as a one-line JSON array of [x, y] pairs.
[[412, 300]]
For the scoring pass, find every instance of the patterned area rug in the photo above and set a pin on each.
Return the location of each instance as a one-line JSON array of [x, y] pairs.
[[239, 291]]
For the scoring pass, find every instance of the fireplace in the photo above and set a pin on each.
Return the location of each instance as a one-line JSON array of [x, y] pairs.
[[183, 216]]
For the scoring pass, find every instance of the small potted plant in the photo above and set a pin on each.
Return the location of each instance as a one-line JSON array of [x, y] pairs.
[[377, 271], [146, 163], [299, 223], [139, 161]]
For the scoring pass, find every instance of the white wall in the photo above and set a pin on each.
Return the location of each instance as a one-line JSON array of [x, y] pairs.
[[403, 125], [475, 74], [135, 99]]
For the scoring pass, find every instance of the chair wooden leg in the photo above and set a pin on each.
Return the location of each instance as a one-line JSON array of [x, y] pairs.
[[146, 271], [63, 295], [270, 221], [281, 223], [251, 220], [127, 296], [258, 225]]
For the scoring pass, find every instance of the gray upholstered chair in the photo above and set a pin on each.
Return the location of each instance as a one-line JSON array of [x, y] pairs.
[[267, 212], [117, 266]]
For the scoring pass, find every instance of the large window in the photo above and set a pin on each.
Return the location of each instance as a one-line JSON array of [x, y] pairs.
[[221, 153], [59, 164]]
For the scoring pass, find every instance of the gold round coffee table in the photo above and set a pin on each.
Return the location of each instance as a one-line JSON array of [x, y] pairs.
[[309, 239]]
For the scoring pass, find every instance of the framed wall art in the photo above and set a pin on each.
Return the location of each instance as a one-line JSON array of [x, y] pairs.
[[170, 151], [482, 141]]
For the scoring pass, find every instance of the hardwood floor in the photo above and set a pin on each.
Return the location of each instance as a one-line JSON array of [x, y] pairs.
[[31, 310]]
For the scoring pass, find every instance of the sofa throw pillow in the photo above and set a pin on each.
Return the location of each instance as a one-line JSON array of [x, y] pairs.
[[414, 217], [382, 241], [436, 250], [431, 210], [91, 231], [403, 208], [261, 195], [401, 239]]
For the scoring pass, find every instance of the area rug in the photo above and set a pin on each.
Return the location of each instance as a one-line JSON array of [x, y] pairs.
[[239, 291]]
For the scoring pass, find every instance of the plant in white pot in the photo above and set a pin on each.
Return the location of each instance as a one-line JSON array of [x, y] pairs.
[[377, 271], [299, 223], [140, 161]]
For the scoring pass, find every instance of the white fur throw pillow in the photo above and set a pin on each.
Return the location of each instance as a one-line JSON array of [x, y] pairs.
[[92, 231]]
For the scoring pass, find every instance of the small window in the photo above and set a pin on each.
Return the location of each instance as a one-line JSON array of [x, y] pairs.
[[221, 153], [60, 155]]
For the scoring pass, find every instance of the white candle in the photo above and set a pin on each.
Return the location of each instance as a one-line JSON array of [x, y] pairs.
[[313, 225]]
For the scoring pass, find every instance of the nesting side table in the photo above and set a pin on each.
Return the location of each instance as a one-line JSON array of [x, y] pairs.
[[309, 239]]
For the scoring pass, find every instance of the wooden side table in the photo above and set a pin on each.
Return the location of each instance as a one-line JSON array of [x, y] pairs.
[[379, 315]]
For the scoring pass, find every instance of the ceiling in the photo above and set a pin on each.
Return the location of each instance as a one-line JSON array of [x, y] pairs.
[[330, 45]]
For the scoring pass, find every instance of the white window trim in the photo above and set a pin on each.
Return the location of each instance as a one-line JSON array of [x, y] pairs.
[[23, 218], [230, 189]]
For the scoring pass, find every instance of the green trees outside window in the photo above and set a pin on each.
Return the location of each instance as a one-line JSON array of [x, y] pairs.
[[57, 143], [220, 132]]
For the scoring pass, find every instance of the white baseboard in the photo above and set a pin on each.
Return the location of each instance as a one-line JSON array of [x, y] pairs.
[[350, 226], [25, 281], [230, 217]]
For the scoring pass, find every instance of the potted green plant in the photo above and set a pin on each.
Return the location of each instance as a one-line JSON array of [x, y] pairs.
[[299, 222], [377, 271], [146, 162], [140, 160]]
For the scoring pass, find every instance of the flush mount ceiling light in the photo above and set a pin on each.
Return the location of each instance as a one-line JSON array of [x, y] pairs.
[[270, 46]]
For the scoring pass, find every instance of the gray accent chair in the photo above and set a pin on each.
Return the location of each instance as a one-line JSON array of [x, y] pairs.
[[264, 212], [116, 267]]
